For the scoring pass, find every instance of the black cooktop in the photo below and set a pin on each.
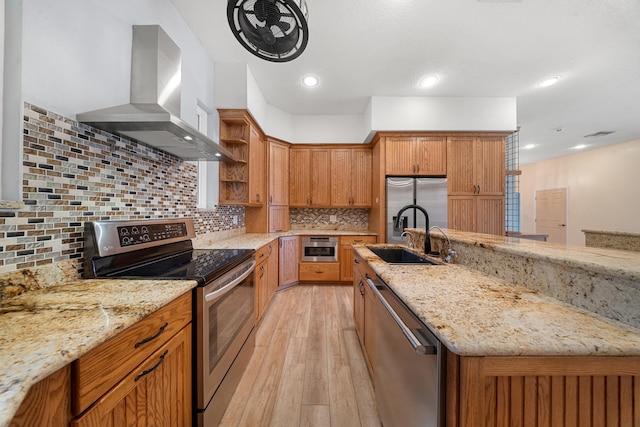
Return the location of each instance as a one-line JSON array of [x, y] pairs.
[[203, 265]]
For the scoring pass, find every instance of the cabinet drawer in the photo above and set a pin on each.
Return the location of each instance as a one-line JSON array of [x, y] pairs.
[[93, 374], [262, 254], [320, 271], [357, 240]]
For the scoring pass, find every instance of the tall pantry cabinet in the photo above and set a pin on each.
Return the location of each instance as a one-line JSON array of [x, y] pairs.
[[476, 183]]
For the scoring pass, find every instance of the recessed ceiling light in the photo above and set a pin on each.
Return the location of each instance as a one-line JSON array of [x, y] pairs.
[[579, 147], [188, 137], [549, 82], [218, 155], [529, 146], [428, 81], [310, 81]]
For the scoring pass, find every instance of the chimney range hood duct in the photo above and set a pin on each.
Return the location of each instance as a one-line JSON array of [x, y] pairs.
[[153, 115]]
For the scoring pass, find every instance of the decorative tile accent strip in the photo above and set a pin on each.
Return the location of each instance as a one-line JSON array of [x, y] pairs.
[[320, 219], [74, 173]]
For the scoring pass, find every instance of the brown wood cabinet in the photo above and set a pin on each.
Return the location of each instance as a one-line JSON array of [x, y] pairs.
[[265, 276], [48, 402], [289, 253], [542, 391], [143, 374], [346, 254], [319, 272], [310, 176], [476, 184], [416, 155], [364, 310], [242, 181], [351, 177]]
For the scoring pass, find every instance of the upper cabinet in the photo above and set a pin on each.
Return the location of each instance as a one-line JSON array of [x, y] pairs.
[[476, 166], [242, 182], [416, 155], [351, 177], [310, 177]]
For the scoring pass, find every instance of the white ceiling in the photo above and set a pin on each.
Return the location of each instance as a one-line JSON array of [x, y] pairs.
[[363, 48]]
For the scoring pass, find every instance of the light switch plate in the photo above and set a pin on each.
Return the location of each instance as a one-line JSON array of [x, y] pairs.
[[333, 218]]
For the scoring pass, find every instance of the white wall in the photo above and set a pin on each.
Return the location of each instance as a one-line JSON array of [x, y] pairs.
[[77, 54], [603, 189]]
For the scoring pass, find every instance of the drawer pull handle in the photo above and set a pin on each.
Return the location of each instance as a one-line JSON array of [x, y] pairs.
[[152, 337], [151, 369]]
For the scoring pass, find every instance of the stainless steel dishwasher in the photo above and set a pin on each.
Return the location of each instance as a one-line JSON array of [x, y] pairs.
[[409, 365]]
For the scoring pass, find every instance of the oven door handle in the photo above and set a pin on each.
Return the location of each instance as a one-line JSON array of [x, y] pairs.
[[226, 288]]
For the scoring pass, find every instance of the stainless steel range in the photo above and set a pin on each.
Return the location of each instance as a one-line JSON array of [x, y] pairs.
[[224, 313]]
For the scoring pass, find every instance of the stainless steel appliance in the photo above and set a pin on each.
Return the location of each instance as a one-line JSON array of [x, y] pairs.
[[430, 193], [319, 249], [224, 313], [409, 365]]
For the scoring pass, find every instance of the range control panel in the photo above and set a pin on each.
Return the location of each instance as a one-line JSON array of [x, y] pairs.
[[130, 235]]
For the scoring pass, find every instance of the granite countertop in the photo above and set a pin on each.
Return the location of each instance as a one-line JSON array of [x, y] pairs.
[[618, 263], [474, 314], [43, 330]]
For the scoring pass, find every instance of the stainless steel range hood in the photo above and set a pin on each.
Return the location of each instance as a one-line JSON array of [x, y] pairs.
[[153, 115]]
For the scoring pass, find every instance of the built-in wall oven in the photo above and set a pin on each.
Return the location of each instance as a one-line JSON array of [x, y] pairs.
[[223, 315], [319, 249]]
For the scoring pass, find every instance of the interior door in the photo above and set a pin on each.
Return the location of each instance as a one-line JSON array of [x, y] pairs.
[[551, 214]]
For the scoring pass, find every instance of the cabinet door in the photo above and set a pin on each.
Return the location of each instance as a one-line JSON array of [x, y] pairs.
[[460, 166], [300, 183], [399, 155], [461, 213], [490, 166], [278, 218], [490, 215], [346, 263], [260, 277], [156, 393], [370, 301], [361, 177], [289, 253], [358, 302], [257, 177], [272, 278], [341, 169], [431, 155], [320, 184], [278, 174]]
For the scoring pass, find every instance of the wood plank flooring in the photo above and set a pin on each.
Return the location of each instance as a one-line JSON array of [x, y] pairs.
[[307, 368]]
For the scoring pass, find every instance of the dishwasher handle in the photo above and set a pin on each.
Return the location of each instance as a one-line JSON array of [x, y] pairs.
[[416, 343]]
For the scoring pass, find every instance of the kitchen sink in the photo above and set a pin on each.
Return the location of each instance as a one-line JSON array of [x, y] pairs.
[[401, 256]]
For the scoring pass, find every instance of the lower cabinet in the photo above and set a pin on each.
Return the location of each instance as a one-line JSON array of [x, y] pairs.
[[319, 271], [288, 261], [157, 393], [265, 276], [346, 254], [364, 309], [48, 402]]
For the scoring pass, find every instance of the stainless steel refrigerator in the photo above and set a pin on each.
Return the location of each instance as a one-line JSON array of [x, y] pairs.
[[430, 193]]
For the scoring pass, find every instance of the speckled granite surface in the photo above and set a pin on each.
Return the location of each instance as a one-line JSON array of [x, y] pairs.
[[43, 330], [475, 314], [612, 239], [604, 281]]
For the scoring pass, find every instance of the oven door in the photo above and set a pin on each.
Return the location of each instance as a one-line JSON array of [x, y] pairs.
[[225, 317]]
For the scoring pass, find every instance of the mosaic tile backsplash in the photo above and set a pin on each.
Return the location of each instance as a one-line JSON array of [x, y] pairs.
[[321, 219], [73, 173]]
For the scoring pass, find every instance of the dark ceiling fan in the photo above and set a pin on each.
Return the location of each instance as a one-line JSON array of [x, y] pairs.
[[274, 30]]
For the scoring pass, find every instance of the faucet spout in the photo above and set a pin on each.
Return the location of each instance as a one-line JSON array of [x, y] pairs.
[[427, 240]]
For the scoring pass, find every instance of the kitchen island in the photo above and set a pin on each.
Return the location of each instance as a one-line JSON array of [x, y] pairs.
[[513, 352]]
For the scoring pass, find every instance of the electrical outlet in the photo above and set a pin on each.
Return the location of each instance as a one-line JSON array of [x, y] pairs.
[[235, 220], [333, 218]]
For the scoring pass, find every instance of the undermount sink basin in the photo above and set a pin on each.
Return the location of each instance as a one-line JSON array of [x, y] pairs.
[[401, 256]]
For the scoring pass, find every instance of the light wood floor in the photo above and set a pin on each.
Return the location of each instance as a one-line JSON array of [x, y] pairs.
[[308, 368]]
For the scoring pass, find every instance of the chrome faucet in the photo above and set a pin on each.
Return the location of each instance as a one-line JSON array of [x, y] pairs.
[[450, 252], [405, 233], [427, 241]]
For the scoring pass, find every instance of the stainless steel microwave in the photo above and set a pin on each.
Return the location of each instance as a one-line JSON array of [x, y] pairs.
[[319, 249]]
